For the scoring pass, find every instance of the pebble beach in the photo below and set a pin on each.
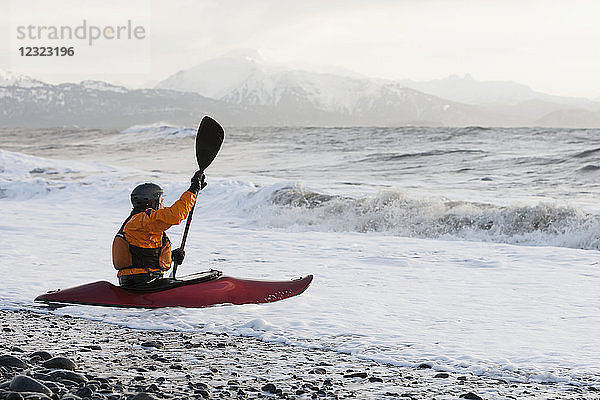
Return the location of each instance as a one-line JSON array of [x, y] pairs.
[[46, 356]]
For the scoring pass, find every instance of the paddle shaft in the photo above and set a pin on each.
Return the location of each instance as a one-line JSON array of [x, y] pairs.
[[187, 227], [185, 234]]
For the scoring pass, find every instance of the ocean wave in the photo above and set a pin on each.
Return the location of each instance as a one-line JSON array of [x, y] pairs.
[[395, 212], [290, 206], [385, 157], [587, 153], [160, 130], [590, 168], [475, 128], [24, 177]]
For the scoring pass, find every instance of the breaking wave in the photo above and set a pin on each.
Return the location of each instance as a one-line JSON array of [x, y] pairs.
[[24, 177], [396, 213]]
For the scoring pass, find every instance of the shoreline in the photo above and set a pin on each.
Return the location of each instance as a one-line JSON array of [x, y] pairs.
[[114, 362]]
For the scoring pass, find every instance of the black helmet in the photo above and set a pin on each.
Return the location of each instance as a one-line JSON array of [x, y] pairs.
[[146, 195]]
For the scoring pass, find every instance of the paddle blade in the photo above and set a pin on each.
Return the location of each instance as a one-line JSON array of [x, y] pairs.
[[208, 141]]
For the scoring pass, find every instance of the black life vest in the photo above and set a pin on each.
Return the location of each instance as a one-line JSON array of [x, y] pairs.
[[128, 256]]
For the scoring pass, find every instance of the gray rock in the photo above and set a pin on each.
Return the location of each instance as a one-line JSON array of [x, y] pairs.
[[43, 355], [85, 391], [270, 388], [41, 376], [143, 396], [318, 371], [442, 375], [356, 375], [470, 396], [35, 396], [152, 388], [60, 363], [6, 360], [14, 396], [153, 343], [56, 388], [92, 386], [68, 375], [22, 383]]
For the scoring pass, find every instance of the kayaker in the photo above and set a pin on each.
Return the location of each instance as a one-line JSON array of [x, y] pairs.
[[141, 250]]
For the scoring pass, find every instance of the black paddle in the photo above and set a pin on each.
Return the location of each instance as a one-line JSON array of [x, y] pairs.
[[208, 142]]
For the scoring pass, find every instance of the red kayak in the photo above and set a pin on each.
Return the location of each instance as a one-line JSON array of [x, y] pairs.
[[198, 290]]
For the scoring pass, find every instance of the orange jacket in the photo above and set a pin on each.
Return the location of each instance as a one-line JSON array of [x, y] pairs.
[[145, 230]]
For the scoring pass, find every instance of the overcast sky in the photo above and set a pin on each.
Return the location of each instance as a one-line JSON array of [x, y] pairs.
[[551, 45]]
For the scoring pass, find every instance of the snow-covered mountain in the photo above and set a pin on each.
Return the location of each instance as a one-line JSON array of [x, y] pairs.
[[244, 79], [13, 79], [217, 77], [242, 89], [468, 90], [359, 101], [102, 86], [99, 104]]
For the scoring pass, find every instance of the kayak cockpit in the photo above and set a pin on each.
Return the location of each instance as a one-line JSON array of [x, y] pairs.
[[170, 283]]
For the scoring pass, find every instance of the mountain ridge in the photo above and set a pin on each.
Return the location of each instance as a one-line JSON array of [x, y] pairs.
[[243, 89], [488, 102]]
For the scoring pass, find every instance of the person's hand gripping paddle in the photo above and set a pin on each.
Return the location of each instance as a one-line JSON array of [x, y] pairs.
[[208, 142]]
